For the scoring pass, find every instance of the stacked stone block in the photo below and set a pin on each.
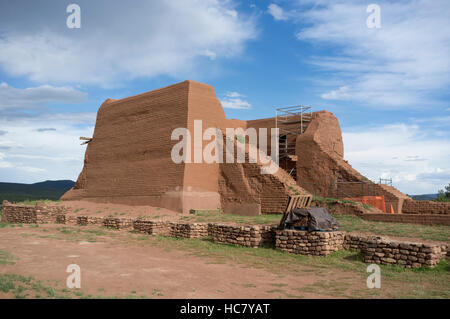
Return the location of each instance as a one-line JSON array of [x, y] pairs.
[[89, 220], [309, 243], [118, 223], [381, 250], [151, 227], [248, 236], [188, 230], [38, 214]]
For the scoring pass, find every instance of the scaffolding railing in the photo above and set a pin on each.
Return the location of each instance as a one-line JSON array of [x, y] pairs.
[[386, 181], [291, 121]]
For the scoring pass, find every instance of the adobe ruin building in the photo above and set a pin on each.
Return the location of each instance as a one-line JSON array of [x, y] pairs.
[[128, 160]]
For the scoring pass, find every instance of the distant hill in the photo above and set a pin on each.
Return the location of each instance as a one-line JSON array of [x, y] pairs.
[[15, 192], [425, 197]]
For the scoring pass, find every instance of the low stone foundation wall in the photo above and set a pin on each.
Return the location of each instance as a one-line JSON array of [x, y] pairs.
[[118, 223], [305, 243], [38, 214], [410, 255], [423, 219], [374, 249], [89, 220], [188, 230], [18, 214], [382, 250], [151, 227], [248, 236]]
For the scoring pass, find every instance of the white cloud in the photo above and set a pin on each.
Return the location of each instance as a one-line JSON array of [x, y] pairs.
[[339, 94], [400, 65], [416, 160], [31, 156], [164, 37], [35, 97], [276, 12], [235, 100]]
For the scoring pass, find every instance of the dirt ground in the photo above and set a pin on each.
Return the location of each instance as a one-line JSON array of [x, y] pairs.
[[117, 265], [88, 208]]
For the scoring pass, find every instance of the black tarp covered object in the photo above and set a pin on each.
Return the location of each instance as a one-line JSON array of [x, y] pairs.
[[318, 218]]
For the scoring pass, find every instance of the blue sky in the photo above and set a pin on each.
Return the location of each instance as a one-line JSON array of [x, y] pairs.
[[388, 86]]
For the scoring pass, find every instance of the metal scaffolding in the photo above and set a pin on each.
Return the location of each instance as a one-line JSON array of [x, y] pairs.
[[291, 121]]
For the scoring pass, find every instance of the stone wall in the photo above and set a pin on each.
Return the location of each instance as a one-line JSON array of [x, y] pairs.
[[38, 214], [89, 220], [309, 243], [151, 227], [373, 248], [118, 223], [188, 230], [382, 250], [248, 236], [425, 207]]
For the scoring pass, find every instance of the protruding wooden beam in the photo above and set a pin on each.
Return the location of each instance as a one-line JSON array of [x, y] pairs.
[[86, 139]]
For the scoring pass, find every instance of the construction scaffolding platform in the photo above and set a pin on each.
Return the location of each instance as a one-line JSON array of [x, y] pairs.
[[291, 122]]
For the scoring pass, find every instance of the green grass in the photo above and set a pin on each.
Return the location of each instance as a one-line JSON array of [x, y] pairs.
[[6, 258], [218, 217], [401, 282], [33, 202], [354, 223]]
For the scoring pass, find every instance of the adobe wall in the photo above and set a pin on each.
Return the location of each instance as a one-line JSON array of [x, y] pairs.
[[411, 206], [129, 158], [320, 164], [424, 219], [244, 190]]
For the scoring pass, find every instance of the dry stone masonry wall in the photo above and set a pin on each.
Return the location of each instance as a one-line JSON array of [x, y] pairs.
[[309, 243], [374, 249], [248, 236], [381, 250], [151, 227], [38, 214], [188, 230]]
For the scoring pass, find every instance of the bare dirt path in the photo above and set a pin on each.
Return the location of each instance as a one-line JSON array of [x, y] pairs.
[[111, 266]]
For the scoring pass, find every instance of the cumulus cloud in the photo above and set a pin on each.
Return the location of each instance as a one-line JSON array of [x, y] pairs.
[[276, 12], [165, 37], [402, 64], [413, 157], [235, 100]]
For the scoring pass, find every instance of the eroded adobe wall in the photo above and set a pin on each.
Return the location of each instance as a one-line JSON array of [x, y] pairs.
[[128, 160], [245, 190], [320, 164], [418, 207]]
